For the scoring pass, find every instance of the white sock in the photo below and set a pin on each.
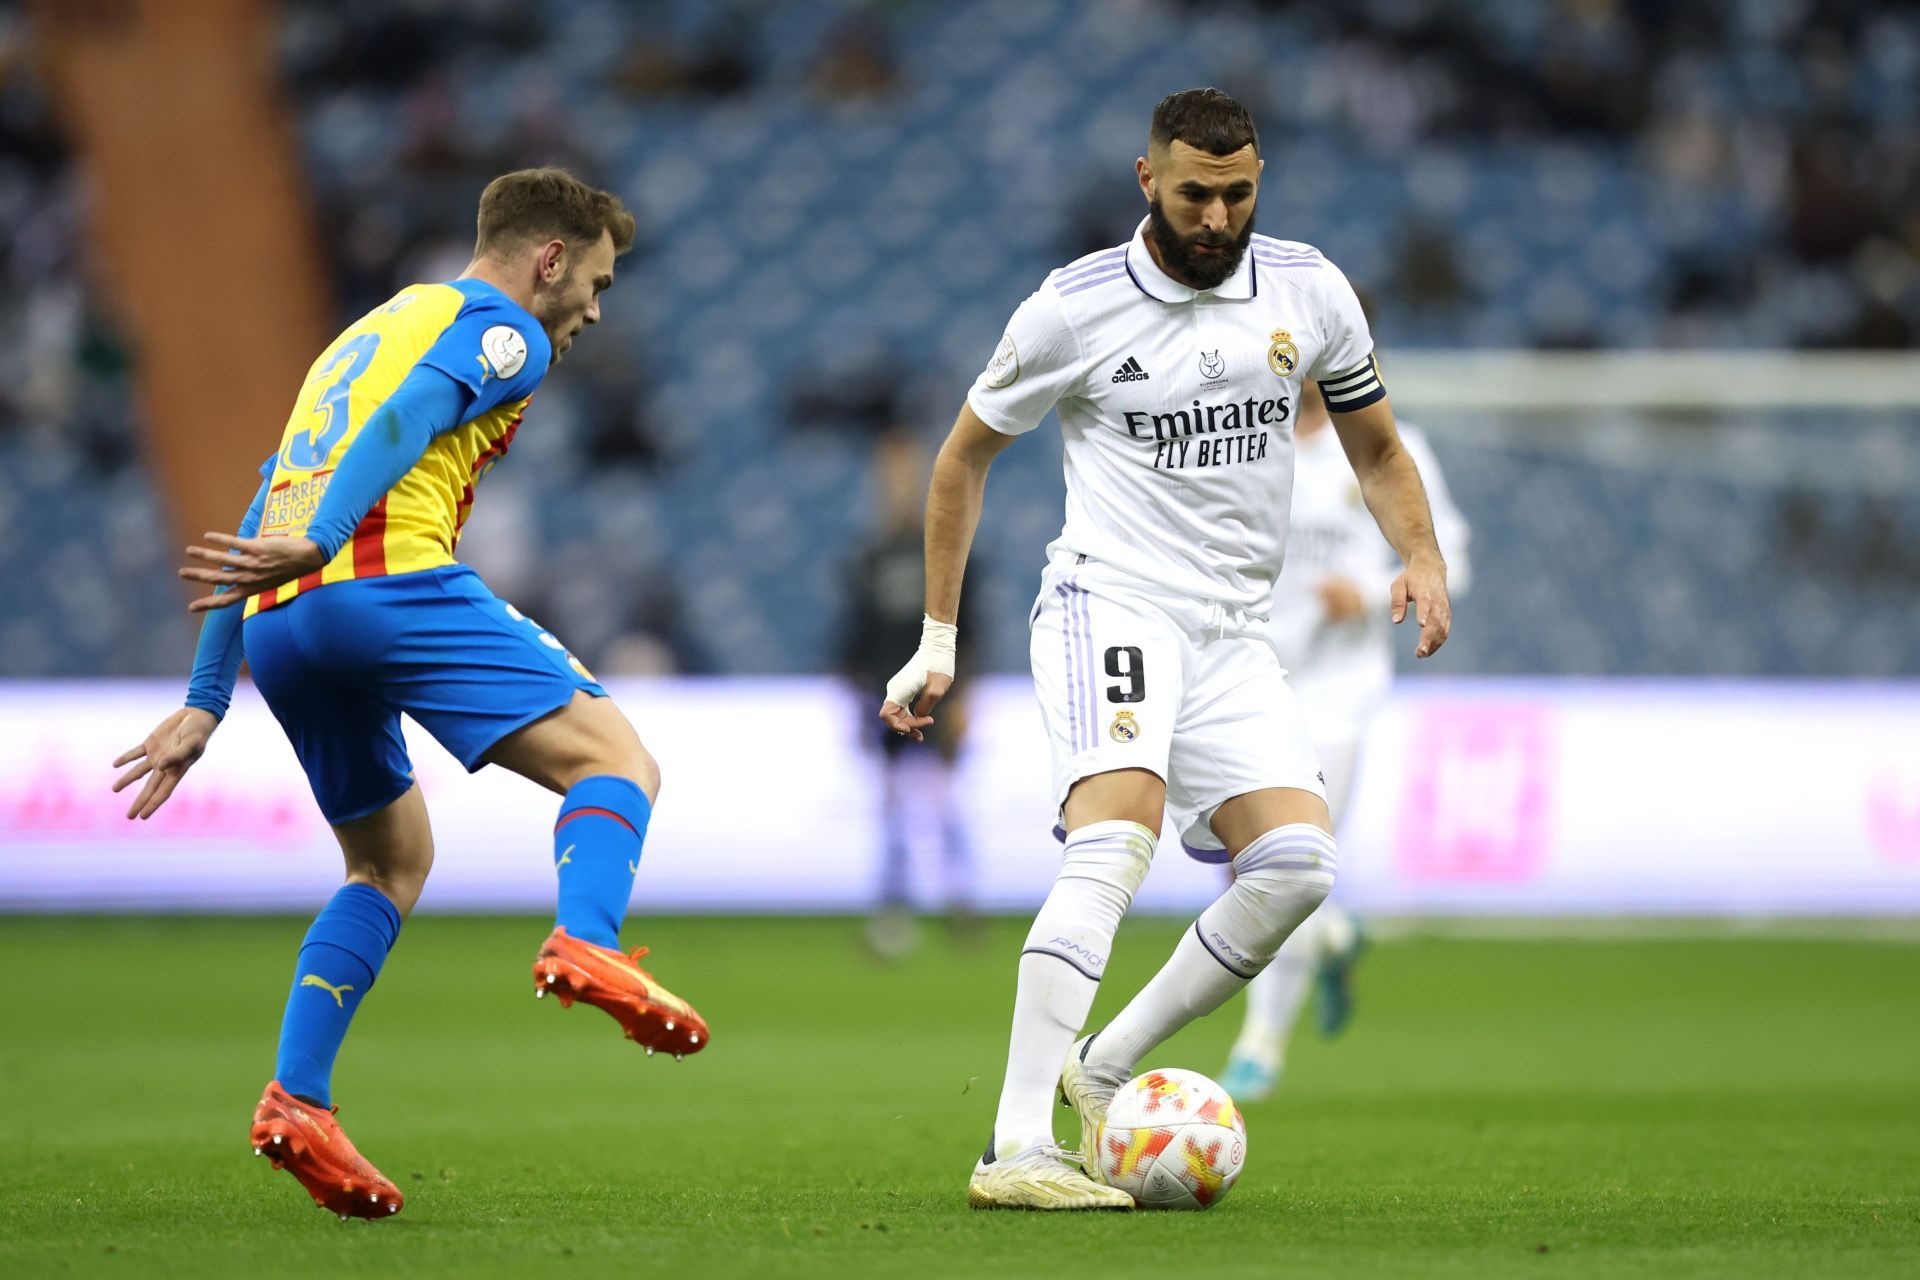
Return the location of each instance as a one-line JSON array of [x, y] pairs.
[[1060, 969], [1275, 997], [1278, 880]]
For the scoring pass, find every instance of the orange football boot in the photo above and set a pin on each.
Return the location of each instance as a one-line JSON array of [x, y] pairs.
[[308, 1142], [651, 1015]]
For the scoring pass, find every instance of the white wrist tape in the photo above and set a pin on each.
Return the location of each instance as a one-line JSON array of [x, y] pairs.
[[934, 656]]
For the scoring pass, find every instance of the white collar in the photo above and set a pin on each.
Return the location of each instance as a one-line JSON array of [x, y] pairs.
[[1161, 287]]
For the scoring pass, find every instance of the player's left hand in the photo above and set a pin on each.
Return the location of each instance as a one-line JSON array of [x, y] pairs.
[[1423, 586], [918, 687], [248, 566], [164, 758]]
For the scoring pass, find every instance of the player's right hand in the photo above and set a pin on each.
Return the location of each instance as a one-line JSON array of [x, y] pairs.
[[248, 566], [922, 682], [1340, 598], [164, 758]]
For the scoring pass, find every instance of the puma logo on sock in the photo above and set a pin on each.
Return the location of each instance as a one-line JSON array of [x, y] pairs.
[[315, 980]]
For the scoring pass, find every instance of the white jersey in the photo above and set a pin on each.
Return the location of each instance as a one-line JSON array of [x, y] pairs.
[[1340, 669], [1177, 406]]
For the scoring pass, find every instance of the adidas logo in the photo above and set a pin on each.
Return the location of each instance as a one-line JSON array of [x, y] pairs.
[[1130, 372]]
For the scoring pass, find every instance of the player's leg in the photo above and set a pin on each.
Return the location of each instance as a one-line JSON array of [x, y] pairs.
[[1281, 843], [588, 753], [495, 688], [388, 854], [1065, 956], [1282, 855], [1276, 996], [1107, 671], [349, 744], [1242, 764], [1110, 821]]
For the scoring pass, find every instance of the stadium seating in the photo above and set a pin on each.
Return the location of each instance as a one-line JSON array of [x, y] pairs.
[[796, 234]]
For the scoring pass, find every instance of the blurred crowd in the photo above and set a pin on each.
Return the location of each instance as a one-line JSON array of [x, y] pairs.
[[840, 203]]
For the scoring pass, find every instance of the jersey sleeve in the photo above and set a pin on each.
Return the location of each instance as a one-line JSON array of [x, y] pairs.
[[216, 659], [1348, 375], [495, 350], [1036, 365], [427, 404]]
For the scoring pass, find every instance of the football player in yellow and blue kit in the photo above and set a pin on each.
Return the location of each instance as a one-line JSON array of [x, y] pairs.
[[354, 611]]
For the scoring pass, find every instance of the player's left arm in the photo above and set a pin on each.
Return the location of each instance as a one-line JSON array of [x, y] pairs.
[[1390, 483], [181, 739], [1450, 527]]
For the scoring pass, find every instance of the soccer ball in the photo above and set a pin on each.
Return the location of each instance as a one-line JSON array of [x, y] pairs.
[[1172, 1140]]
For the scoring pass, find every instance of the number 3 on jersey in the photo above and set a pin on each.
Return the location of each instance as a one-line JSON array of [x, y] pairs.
[[332, 412]]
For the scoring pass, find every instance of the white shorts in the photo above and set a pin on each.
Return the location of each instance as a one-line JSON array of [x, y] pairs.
[[1131, 676]]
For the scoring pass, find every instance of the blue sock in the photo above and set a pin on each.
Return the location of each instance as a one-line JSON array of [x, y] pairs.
[[339, 960], [596, 851]]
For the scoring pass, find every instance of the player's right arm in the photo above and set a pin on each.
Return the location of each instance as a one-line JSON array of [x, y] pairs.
[[426, 404], [954, 499], [492, 353], [1036, 365]]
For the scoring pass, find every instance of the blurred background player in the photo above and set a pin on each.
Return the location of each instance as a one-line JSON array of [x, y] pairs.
[[356, 610], [1335, 639], [885, 591]]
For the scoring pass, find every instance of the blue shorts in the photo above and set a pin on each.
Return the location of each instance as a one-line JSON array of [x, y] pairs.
[[339, 664]]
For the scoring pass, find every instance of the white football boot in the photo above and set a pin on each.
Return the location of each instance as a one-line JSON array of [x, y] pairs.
[[1041, 1177], [1089, 1091]]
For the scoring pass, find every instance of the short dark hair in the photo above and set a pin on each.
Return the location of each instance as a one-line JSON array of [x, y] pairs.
[[549, 204], [1204, 118]]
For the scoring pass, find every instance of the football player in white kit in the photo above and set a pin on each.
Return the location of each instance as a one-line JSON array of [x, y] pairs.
[[1176, 362], [1331, 634]]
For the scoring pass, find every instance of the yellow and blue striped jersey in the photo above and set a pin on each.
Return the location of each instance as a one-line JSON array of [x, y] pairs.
[[466, 329]]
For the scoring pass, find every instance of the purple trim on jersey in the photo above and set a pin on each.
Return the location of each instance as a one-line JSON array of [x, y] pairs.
[[1091, 691], [1077, 635], [1272, 245], [1303, 260], [1212, 857], [1087, 266], [1088, 282], [1066, 640], [1136, 281]]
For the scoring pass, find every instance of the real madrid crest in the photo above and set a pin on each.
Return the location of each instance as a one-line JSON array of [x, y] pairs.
[[1124, 727], [1282, 356]]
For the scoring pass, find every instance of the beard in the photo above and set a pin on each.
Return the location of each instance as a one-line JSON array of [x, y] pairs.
[[549, 301], [1193, 269]]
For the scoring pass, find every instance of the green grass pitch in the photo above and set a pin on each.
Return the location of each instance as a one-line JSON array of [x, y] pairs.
[[1733, 1107]]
